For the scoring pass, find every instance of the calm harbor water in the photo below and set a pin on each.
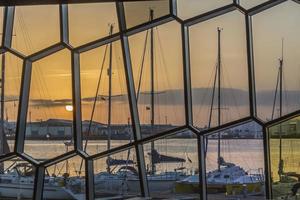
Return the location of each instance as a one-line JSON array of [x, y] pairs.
[[247, 153]]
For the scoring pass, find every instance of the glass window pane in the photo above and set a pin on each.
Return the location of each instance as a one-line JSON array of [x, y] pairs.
[[218, 99], [249, 4], [17, 179], [138, 12], [159, 86], [116, 176], [50, 111], [35, 28], [88, 22], [65, 180], [235, 163], [276, 49], [172, 166], [284, 159], [187, 9], [105, 107], [11, 70]]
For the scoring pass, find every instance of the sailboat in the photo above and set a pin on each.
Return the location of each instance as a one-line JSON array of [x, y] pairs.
[[121, 176], [228, 177], [289, 182], [17, 182]]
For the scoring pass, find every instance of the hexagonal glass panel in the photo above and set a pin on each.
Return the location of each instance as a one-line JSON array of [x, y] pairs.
[[17, 179], [250, 4], [235, 163], [50, 110], [11, 71], [218, 54], [93, 18], [65, 180], [35, 28], [276, 31], [105, 108], [158, 78], [172, 166], [191, 8], [284, 159], [138, 12], [116, 176]]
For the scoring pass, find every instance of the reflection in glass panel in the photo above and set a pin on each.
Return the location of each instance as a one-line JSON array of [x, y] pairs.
[[172, 166], [17, 179], [157, 66], [93, 18], [11, 71], [116, 176], [138, 12], [50, 111], [35, 28], [65, 180], [249, 4], [218, 54], [285, 159], [187, 9], [105, 107], [277, 31], [235, 163]]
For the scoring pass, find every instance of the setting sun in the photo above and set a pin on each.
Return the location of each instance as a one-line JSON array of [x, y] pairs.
[[69, 108]]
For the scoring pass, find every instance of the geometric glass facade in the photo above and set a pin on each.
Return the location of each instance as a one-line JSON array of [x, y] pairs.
[[163, 99]]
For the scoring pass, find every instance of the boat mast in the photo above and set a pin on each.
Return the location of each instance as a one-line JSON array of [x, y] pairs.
[[109, 73], [152, 89], [280, 170], [2, 135], [219, 96]]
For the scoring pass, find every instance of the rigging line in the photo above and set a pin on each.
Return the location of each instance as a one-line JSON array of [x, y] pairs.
[[95, 98], [28, 44], [156, 96], [142, 66], [213, 98], [163, 60], [211, 107], [226, 74], [206, 91], [94, 106], [164, 66], [13, 67], [121, 91], [285, 93], [275, 95]]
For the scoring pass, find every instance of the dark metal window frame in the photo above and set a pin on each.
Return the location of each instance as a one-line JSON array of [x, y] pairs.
[[122, 36]]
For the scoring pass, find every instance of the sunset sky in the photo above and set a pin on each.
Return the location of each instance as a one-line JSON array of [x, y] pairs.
[[37, 27]]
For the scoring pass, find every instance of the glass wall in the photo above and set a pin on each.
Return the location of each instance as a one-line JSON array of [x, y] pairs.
[[218, 52], [235, 163], [172, 166], [116, 176], [158, 76], [97, 95], [17, 179], [277, 82], [284, 159]]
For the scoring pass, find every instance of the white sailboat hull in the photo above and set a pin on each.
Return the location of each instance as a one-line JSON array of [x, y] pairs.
[[118, 185], [25, 191]]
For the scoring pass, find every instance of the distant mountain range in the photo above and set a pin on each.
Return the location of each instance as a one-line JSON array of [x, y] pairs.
[[201, 96]]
